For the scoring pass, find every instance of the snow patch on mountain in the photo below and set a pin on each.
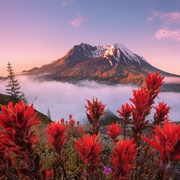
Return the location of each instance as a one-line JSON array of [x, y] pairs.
[[115, 50], [118, 51]]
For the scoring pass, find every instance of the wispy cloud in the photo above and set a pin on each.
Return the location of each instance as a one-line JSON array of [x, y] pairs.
[[67, 2], [170, 34], [171, 17], [169, 21], [77, 21]]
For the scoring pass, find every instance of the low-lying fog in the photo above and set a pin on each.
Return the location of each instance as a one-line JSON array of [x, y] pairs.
[[63, 99]]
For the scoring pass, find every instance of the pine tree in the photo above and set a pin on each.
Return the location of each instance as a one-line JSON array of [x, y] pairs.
[[49, 115], [13, 87]]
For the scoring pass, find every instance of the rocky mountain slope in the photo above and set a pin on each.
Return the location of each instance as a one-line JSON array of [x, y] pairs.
[[109, 64]]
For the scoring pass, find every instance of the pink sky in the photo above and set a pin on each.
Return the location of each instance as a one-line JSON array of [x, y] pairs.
[[34, 33]]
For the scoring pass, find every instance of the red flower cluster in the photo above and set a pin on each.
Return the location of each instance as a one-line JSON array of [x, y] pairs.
[[57, 135], [125, 111], [154, 82], [71, 125], [140, 109], [49, 174], [16, 122], [167, 142], [142, 103], [114, 131], [161, 114], [89, 150], [122, 158], [95, 110], [18, 137]]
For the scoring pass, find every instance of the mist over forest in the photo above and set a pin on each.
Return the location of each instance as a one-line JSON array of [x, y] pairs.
[[63, 99]]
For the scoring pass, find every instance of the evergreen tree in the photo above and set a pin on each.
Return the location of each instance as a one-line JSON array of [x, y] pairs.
[[49, 115], [13, 87]]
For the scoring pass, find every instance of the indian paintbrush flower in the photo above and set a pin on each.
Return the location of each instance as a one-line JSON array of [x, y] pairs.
[[161, 114], [16, 122], [57, 135], [153, 82], [95, 110], [89, 151], [125, 111], [114, 131], [122, 158], [166, 140]]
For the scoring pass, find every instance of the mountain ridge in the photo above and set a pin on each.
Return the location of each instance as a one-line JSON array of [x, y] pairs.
[[110, 64]]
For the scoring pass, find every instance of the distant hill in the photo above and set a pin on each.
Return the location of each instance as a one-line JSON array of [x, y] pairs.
[[4, 100], [171, 87]]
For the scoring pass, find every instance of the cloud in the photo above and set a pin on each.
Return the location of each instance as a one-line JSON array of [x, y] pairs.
[[77, 21], [63, 99], [67, 2], [167, 18], [168, 34]]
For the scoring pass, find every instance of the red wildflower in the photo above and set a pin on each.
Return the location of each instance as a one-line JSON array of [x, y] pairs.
[[161, 113], [125, 111], [62, 121], [140, 109], [140, 103], [167, 142], [154, 82], [89, 150], [114, 131], [95, 109], [71, 125], [122, 158], [49, 174], [16, 122], [57, 135]]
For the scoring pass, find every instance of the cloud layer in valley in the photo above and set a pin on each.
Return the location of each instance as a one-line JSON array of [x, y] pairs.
[[63, 99]]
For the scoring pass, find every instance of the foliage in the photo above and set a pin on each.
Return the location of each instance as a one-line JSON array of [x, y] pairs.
[[13, 87], [67, 150], [49, 118]]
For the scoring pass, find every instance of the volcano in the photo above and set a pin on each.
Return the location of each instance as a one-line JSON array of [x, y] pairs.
[[110, 64]]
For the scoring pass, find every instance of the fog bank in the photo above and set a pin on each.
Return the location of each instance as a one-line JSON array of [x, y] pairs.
[[63, 99]]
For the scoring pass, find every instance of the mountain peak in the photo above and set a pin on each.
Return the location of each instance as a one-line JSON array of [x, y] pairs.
[[117, 51], [110, 64]]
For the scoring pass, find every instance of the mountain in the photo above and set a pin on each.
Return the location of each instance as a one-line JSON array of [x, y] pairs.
[[109, 64]]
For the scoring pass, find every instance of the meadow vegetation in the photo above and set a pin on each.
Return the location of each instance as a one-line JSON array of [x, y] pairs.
[[132, 148]]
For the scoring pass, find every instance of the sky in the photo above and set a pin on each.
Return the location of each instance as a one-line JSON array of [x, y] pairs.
[[37, 32]]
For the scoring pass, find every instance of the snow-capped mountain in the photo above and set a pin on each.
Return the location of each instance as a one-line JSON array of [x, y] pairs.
[[115, 50], [108, 64]]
